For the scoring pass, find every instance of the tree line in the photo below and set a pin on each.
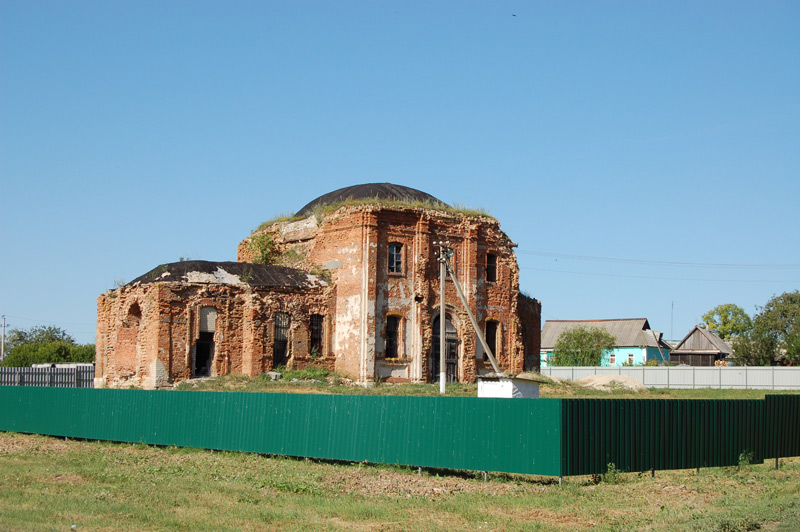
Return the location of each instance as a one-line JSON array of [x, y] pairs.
[[44, 344], [772, 336]]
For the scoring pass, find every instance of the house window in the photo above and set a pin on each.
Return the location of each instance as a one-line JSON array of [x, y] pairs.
[[491, 267], [612, 359], [630, 359], [491, 338], [281, 342], [392, 330], [316, 335], [395, 257]]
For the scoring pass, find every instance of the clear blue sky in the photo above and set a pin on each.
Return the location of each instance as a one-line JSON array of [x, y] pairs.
[[134, 133]]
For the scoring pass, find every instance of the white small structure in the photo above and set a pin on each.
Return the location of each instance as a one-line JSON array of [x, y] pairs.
[[523, 386]]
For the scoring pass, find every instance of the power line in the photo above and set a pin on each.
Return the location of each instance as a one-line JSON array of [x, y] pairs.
[[44, 321], [657, 278], [661, 262]]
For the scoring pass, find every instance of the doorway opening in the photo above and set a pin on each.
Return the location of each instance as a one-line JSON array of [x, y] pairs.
[[203, 354], [204, 345], [451, 350]]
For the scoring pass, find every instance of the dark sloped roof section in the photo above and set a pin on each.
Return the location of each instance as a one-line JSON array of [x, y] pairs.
[[629, 332], [370, 191], [202, 271]]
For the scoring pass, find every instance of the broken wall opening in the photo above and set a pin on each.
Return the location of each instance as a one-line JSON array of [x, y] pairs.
[[204, 345]]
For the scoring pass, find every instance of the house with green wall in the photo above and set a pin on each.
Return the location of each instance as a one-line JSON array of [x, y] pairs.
[[636, 343]]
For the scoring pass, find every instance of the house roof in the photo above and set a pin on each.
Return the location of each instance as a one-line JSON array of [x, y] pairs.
[[700, 341], [367, 191], [231, 273], [629, 332]]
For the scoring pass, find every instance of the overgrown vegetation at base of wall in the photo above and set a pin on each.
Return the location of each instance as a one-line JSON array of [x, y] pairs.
[[318, 380], [53, 484]]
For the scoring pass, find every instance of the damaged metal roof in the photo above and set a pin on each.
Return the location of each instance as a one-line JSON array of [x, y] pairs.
[[368, 191], [232, 273]]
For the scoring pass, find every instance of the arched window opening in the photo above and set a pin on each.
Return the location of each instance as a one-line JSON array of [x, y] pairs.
[[134, 316], [451, 350]]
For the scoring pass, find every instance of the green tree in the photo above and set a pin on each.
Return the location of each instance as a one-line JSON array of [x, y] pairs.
[[775, 333], [49, 353], [44, 345], [37, 335], [582, 346], [728, 321]]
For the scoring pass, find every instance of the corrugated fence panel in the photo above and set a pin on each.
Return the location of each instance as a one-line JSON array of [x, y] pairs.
[[782, 424], [556, 437], [734, 377], [520, 435], [641, 435], [787, 379], [80, 377]]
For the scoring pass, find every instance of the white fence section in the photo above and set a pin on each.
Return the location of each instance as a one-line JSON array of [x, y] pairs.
[[75, 377], [767, 377]]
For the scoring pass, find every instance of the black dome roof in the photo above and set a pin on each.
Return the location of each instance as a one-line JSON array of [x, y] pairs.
[[370, 191]]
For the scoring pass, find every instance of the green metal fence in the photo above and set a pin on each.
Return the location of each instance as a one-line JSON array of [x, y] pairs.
[[553, 437], [643, 435], [782, 426]]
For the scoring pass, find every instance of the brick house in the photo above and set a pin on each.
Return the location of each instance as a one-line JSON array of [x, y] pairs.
[[352, 286]]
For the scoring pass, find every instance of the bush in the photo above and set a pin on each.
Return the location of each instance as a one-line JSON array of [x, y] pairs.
[[582, 346]]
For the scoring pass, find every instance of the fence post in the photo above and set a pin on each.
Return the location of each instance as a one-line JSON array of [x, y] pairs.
[[746, 384], [694, 383]]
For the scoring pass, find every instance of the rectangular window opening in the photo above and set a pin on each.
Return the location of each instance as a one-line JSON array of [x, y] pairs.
[[316, 335], [280, 344], [491, 338], [395, 257], [491, 267], [392, 329]]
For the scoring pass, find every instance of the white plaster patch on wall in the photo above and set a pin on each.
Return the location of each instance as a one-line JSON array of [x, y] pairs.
[[347, 321], [316, 280], [300, 230]]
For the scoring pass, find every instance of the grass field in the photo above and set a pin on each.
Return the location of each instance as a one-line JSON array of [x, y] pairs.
[[52, 484], [321, 381]]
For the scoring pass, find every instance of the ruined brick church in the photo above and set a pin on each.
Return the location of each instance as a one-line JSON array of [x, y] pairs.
[[350, 283]]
